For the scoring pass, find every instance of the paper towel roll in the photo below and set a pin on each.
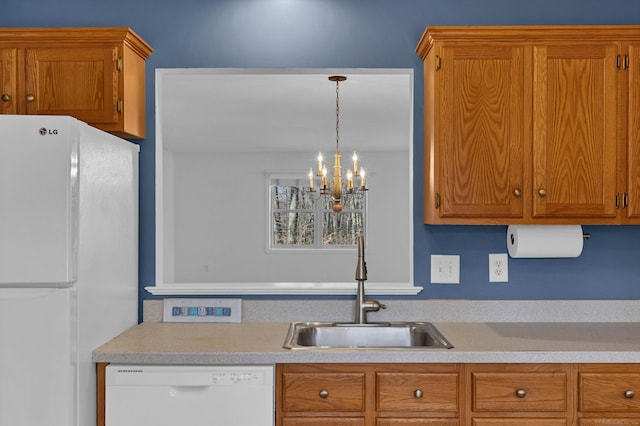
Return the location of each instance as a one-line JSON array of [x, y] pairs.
[[537, 241]]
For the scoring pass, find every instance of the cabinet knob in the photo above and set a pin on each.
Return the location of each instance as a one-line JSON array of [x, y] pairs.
[[629, 394], [517, 192], [31, 98], [417, 393], [324, 393], [521, 393], [6, 97], [542, 192]]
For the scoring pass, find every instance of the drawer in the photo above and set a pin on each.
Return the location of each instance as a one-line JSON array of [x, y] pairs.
[[519, 422], [322, 421], [609, 422], [417, 422], [539, 391], [417, 392], [323, 392], [609, 392]]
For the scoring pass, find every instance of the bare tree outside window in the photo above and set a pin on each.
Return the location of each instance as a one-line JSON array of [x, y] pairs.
[[302, 219]]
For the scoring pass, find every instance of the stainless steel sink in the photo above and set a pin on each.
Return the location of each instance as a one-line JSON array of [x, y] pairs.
[[400, 335]]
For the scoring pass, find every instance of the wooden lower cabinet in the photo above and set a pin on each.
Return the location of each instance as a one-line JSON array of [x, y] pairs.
[[323, 421], [458, 394], [609, 395], [389, 394], [417, 422], [368, 394], [521, 394], [519, 422]]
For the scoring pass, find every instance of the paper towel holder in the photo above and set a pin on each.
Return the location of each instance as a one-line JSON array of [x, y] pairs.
[[585, 235]]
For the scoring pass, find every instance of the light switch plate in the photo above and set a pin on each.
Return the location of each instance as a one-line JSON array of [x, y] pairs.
[[202, 310], [445, 269]]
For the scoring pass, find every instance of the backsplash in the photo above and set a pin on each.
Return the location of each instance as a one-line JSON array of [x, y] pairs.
[[432, 311]]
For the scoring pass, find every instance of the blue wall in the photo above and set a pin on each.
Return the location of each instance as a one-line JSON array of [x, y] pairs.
[[359, 33]]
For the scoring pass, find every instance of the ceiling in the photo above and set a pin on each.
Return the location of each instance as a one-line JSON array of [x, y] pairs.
[[244, 110]]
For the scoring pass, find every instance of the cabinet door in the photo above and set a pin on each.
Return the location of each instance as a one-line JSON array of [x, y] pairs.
[[574, 141], [633, 132], [8, 81], [481, 131], [81, 82]]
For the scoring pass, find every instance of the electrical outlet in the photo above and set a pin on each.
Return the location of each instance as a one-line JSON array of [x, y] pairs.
[[445, 269], [498, 267]]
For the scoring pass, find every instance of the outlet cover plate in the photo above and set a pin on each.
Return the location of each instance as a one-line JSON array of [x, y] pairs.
[[498, 267]]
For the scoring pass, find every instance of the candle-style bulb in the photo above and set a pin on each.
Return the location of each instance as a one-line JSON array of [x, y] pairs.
[[355, 163]]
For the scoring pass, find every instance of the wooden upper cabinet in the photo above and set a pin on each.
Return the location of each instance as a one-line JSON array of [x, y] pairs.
[[528, 125], [632, 90], [574, 133], [480, 131], [94, 74], [8, 82]]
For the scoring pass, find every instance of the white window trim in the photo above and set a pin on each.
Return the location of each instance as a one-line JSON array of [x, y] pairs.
[[162, 288]]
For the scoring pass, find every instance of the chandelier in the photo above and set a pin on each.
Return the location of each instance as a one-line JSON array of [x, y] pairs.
[[337, 187]]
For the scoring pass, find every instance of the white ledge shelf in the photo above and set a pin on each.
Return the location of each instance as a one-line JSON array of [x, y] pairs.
[[284, 288]]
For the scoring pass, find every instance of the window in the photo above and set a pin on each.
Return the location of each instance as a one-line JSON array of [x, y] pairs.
[[304, 220]]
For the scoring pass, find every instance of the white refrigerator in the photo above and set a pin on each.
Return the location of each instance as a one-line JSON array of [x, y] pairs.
[[68, 263]]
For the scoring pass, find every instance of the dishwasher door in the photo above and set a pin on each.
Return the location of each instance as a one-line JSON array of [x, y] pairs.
[[143, 395]]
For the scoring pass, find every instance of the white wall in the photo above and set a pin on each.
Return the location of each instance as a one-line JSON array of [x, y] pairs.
[[220, 214]]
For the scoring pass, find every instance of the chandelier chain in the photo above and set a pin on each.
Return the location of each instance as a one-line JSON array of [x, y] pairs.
[[337, 114]]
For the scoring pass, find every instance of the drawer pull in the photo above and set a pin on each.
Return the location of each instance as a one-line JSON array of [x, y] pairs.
[[542, 192], [521, 393], [629, 394], [417, 393], [30, 98], [6, 97], [324, 393]]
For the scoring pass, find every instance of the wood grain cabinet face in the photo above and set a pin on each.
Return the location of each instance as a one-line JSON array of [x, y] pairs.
[[532, 125], [368, 394], [610, 392], [480, 130], [537, 391], [96, 75], [417, 422], [322, 421], [8, 82], [633, 132], [519, 422], [574, 132], [78, 82], [323, 392], [417, 392]]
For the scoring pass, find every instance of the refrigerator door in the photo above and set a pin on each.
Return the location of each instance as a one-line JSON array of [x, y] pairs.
[[37, 367], [38, 200]]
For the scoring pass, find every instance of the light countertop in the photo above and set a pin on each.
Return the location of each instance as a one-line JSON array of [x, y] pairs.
[[481, 342]]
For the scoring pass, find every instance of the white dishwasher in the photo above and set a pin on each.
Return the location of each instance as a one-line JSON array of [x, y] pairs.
[[230, 395]]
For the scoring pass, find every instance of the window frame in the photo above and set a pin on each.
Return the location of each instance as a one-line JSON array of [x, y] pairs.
[[318, 210]]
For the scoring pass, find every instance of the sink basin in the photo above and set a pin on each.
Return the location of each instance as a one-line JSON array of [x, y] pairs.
[[400, 335]]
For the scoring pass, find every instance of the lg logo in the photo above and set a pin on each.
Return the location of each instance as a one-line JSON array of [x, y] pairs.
[[45, 132]]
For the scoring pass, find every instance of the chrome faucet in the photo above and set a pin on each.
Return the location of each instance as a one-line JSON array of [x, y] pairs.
[[362, 305]]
